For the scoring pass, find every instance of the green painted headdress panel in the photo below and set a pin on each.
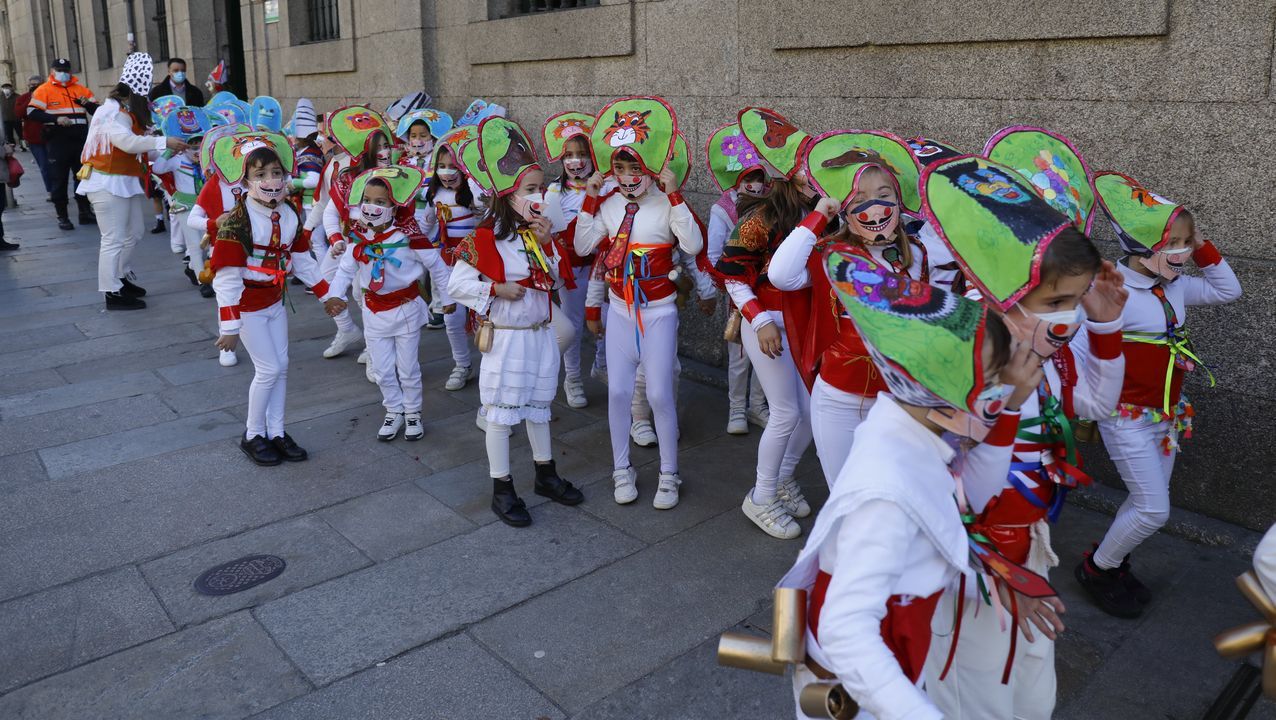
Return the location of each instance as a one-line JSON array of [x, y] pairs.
[[1140, 217], [779, 142], [1052, 165], [231, 152], [404, 183], [505, 153], [645, 126], [562, 127]]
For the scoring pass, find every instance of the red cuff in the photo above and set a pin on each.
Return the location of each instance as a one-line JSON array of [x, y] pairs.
[[591, 204], [1207, 255], [751, 310], [320, 289], [1106, 346], [675, 198], [815, 222], [333, 239], [228, 313], [593, 313], [1004, 430]]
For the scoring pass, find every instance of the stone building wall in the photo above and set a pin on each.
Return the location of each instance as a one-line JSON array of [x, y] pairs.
[[1176, 93]]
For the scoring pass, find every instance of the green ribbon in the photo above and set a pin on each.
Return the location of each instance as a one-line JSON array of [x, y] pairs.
[[1179, 344], [1057, 427]]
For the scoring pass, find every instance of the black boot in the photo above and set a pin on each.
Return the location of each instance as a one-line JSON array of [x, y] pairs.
[[207, 291], [64, 223], [260, 451], [550, 485], [130, 289], [190, 274], [120, 301], [159, 226], [507, 505], [1107, 590], [6, 246], [288, 449], [1132, 584]]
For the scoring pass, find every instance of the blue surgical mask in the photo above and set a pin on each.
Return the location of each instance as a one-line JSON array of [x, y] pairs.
[[179, 77], [62, 77]]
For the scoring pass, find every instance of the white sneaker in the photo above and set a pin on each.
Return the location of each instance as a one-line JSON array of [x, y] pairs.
[[626, 482], [737, 422], [773, 519], [666, 492], [599, 374], [390, 427], [574, 389], [412, 429], [370, 374], [790, 496], [759, 415], [460, 375], [227, 358], [643, 434], [364, 358], [342, 341]]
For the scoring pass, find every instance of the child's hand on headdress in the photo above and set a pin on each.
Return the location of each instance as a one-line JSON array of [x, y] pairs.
[[594, 184], [827, 207], [668, 181]]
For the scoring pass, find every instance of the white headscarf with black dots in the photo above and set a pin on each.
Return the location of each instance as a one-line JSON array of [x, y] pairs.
[[138, 71]]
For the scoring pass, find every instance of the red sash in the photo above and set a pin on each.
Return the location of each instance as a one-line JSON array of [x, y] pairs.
[[381, 302]]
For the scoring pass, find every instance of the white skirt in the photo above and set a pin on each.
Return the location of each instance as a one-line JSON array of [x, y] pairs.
[[518, 378]]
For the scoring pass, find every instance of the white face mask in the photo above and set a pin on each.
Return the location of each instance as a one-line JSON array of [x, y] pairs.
[[421, 146], [633, 186], [448, 176], [1044, 332], [756, 189], [267, 192], [1167, 264], [528, 207], [375, 215], [577, 168]]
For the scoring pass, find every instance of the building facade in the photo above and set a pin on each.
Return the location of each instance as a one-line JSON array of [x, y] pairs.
[[1175, 93]]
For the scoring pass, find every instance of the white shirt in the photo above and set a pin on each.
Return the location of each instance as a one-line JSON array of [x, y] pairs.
[[474, 290], [120, 133]]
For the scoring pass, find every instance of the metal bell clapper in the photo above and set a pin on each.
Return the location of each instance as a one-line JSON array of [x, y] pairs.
[[1259, 635]]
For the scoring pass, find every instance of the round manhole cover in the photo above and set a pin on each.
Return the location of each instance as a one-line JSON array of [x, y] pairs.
[[238, 575]]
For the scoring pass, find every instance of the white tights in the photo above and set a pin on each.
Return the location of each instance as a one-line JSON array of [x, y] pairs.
[[264, 334], [1135, 449], [834, 416], [657, 353], [498, 446], [788, 430], [397, 367]]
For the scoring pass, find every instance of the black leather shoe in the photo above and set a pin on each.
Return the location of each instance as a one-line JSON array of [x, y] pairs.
[[159, 227], [131, 290], [287, 449], [550, 485], [1132, 584], [88, 219], [7, 246], [260, 451], [207, 291], [1107, 590], [65, 224], [120, 301], [190, 274], [507, 505]]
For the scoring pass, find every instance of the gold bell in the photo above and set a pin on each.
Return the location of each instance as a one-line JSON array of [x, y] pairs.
[[788, 622], [748, 652], [1259, 635], [1086, 431], [827, 700]]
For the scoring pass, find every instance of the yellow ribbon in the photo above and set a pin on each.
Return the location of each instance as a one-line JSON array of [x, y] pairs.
[[1178, 345], [533, 247]]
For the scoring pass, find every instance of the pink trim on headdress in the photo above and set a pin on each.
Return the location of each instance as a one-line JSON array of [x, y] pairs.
[[1089, 177]]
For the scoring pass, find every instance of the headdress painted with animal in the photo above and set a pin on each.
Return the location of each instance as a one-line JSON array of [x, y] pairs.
[[644, 126]]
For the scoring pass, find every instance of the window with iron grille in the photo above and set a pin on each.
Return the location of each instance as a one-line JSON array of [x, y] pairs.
[[102, 19], [322, 19], [513, 8], [160, 18]]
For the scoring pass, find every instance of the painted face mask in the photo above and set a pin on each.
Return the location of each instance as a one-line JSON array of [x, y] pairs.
[[578, 168], [875, 221], [1167, 264], [421, 146], [1045, 333], [383, 157], [528, 207], [974, 425], [375, 215], [633, 186], [756, 189], [450, 177], [267, 192]]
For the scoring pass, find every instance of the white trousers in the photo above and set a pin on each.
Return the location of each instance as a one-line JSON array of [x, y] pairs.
[[188, 238], [788, 430], [656, 353], [572, 303], [1135, 449], [264, 334], [498, 446], [122, 222], [640, 408], [328, 268], [834, 416], [743, 390], [397, 367], [454, 325], [972, 690]]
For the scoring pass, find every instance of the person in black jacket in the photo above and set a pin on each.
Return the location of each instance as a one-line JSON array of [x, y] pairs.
[[175, 84]]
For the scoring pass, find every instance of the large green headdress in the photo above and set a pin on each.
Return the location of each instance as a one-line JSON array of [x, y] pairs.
[[779, 142], [231, 151], [645, 126], [562, 127], [404, 183], [210, 141], [469, 157], [680, 161], [353, 127], [993, 221], [731, 156], [835, 160], [927, 342], [1052, 165], [505, 154], [1140, 217]]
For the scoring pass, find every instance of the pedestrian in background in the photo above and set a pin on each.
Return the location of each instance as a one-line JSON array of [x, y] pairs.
[[64, 106], [33, 132]]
